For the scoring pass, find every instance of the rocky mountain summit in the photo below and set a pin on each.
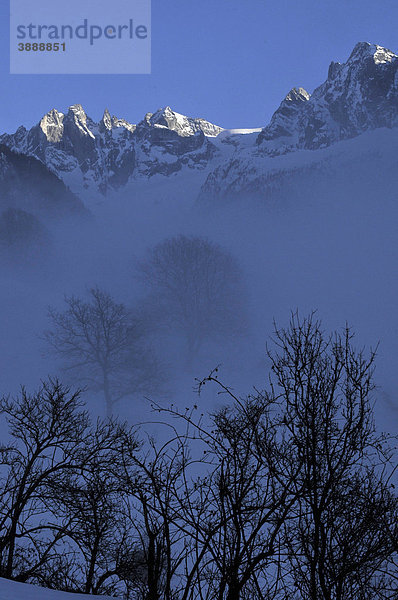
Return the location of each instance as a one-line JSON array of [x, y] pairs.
[[359, 95]]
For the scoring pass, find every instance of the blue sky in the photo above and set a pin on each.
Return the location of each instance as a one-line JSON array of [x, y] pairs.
[[228, 61]]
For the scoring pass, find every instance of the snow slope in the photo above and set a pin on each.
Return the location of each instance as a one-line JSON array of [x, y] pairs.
[[12, 590]]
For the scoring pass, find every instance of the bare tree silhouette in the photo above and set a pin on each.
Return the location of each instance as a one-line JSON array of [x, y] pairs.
[[103, 346], [196, 287]]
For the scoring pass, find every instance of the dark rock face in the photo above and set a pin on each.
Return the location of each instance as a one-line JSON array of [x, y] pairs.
[[284, 121], [26, 183], [358, 96]]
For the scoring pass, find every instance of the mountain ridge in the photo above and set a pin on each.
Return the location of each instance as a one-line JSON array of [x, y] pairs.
[[357, 96]]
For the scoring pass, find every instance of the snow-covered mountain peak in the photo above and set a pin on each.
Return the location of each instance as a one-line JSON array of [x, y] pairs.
[[382, 55], [52, 125], [78, 117], [358, 95], [78, 111], [108, 123], [184, 126], [297, 95], [364, 55], [165, 114], [165, 117], [107, 120], [364, 50], [280, 135], [116, 122]]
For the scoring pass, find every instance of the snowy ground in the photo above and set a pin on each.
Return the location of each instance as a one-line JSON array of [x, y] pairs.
[[11, 590]]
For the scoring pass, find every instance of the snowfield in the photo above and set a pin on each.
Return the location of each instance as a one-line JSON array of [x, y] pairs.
[[12, 590]]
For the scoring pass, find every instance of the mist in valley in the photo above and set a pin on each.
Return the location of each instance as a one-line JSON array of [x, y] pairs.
[[319, 239]]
